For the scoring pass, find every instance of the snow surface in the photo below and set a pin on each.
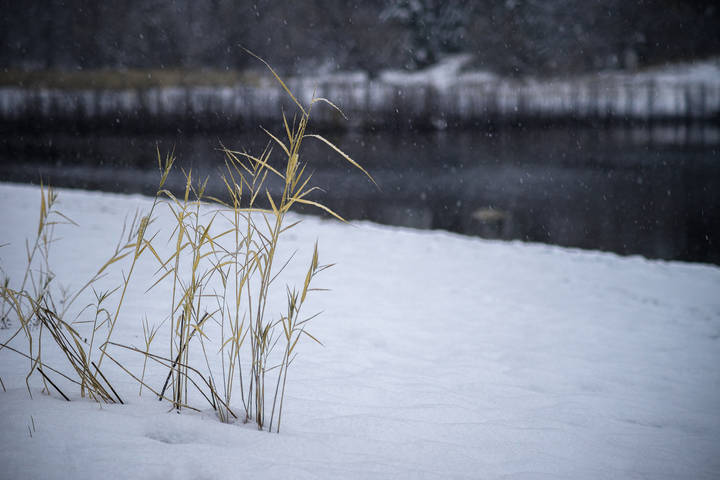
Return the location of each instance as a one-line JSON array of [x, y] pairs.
[[445, 357], [705, 71], [442, 75]]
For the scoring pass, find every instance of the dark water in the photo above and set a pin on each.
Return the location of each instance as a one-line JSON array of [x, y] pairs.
[[652, 191]]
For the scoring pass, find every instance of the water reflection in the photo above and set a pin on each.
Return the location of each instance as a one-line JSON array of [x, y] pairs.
[[650, 190]]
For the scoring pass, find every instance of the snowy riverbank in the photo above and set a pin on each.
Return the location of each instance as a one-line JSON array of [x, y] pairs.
[[445, 357], [439, 97]]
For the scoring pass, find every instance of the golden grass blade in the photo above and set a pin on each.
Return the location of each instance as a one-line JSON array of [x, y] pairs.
[[292, 347], [232, 191], [269, 229], [284, 229], [163, 277], [169, 194], [316, 257], [261, 162], [308, 278], [309, 335], [277, 77], [298, 177], [217, 200], [307, 192], [311, 316], [235, 160], [230, 339], [188, 184], [325, 100], [272, 203], [69, 220], [111, 261], [322, 207], [197, 328], [202, 188], [43, 209], [287, 262], [287, 129], [277, 140], [343, 154], [222, 234]]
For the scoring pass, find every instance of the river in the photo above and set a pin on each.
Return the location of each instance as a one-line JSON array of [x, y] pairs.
[[651, 190]]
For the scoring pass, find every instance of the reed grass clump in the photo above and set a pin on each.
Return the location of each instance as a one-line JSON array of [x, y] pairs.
[[221, 269]]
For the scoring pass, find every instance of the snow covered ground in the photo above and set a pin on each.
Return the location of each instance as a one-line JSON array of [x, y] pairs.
[[445, 357]]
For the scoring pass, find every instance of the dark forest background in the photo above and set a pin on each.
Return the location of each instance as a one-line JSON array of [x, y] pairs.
[[320, 36]]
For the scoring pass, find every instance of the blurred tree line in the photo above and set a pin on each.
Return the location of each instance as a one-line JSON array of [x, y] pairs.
[[506, 36]]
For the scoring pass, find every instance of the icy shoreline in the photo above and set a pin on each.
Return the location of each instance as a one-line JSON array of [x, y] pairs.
[[445, 357], [440, 97]]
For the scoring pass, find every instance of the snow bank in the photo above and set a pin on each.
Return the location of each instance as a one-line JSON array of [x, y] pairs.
[[445, 357], [439, 96]]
